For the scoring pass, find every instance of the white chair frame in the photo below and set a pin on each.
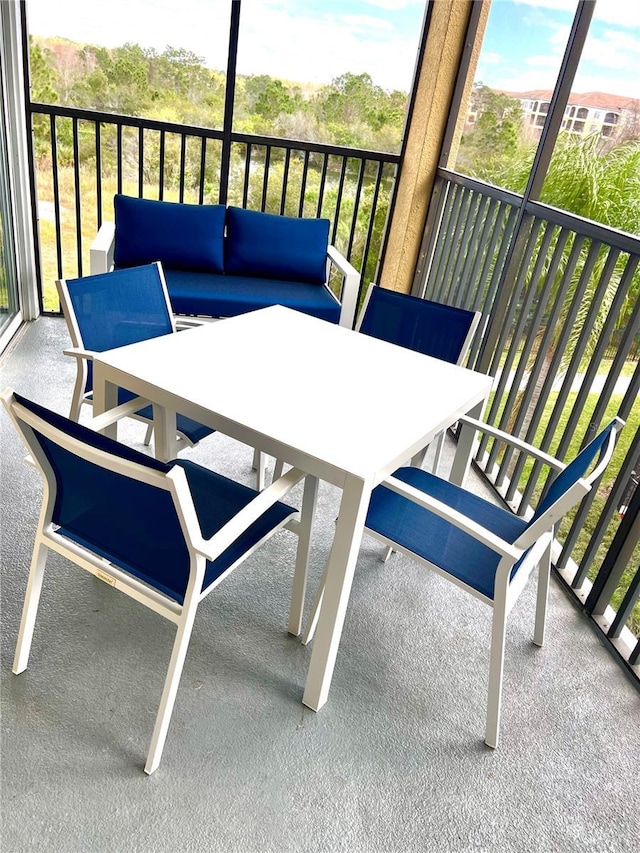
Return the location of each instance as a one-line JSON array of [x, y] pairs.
[[539, 538], [200, 549]]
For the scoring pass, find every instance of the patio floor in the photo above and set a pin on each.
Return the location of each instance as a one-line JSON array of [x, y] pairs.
[[394, 761]]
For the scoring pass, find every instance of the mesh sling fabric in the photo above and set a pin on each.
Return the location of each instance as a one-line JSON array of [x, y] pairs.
[[417, 324], [135, 525]]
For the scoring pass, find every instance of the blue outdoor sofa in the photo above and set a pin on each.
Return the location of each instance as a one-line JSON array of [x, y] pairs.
[[221, 261]]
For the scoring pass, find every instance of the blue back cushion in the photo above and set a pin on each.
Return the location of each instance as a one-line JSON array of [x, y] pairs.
[[430, 328], [277, 247], [182, 236]]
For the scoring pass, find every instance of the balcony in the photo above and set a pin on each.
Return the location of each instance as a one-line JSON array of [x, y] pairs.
[[395, 761]]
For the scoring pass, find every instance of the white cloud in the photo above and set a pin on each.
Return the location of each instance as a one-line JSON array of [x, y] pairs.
[[626, 13], [317, 48]]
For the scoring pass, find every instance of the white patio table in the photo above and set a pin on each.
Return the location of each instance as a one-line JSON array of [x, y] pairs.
[[340, 405]]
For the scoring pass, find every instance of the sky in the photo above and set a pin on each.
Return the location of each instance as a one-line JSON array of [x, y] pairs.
[[524, 43], [316, 40]]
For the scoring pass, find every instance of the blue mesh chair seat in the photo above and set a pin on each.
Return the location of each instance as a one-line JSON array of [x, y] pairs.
[[435, 539], [483, 548], [163, 533]]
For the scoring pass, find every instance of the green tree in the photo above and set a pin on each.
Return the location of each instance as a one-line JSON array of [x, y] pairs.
[[496, 140], [42, 74]]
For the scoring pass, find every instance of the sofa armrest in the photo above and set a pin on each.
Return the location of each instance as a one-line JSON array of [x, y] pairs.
[[101, 250], [350, 286]]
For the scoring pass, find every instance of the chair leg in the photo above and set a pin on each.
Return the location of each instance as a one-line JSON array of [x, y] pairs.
[[496, 669], [312, 622], [417, 461], [278, 470], [78, 396], [439, 446], [544, 572], [388, 551], [148, 435], [167, 701], [30, 607], [259, 465], [298, 593]]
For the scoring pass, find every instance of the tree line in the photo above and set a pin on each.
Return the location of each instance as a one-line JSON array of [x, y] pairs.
[[174, 85]]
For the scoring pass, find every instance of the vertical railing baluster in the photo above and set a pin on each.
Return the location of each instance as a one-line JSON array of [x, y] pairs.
[[119, 156], [140, 162], [323, 178], [303, 183], [203, 165], [343, 172], [285, 182], [76, 195], [247, 174], [265, 177], [56, 193], [183, 160], [356, 207], [98, 143], [161, 155], [370, 227]]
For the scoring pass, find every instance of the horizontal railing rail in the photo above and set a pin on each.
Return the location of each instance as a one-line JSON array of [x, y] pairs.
[[83, 157], [561, 337]]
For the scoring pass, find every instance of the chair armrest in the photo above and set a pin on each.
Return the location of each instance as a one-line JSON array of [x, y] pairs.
[[482, 534], [77, 352], [350, 286], [529, 449], [220, 541], [102, 248]]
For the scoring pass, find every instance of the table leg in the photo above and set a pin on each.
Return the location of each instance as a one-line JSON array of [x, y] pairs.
[[164, 428], [307, 514], [340, 569], [105, 397], [467, 442]]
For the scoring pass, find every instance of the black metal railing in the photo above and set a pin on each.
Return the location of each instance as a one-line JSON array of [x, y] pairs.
[[561, 339], [83, 157]]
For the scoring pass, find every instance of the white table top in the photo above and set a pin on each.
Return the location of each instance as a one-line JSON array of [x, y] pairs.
[[319, 396]]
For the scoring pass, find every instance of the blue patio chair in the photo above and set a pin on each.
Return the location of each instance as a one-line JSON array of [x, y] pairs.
[[111, 310], [431, 328], [166, 534], [482, 548]]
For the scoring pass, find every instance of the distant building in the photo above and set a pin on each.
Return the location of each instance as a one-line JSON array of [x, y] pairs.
[[585, 114]]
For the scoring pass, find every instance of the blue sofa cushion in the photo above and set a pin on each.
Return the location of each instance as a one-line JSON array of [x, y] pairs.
[[277, 247], [226, 296], [183, 236]]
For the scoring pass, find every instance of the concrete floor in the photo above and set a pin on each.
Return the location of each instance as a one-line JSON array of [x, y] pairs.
[[394, 762]]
